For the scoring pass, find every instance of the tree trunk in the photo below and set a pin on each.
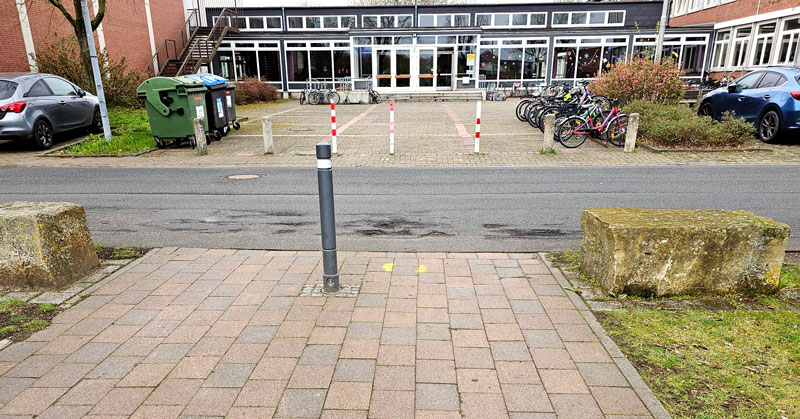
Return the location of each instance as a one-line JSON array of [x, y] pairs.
[[83, 44]]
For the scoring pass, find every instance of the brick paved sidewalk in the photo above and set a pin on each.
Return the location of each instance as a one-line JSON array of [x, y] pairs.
[[213, 333]]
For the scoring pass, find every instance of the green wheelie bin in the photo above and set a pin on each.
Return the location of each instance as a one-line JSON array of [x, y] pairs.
[[172, 103]]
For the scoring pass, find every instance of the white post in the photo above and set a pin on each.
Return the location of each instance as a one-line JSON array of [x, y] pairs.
[[549, 133], [631, 132], [391, 127], [334, 148], [662, 26], [200, 144], [266, 131], [478, 127]]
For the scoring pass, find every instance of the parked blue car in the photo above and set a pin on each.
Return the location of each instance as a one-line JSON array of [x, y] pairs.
[[769, 98]]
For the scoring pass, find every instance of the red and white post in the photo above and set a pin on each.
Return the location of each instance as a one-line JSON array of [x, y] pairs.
[[478, 127], [334, 148], [391, 127]]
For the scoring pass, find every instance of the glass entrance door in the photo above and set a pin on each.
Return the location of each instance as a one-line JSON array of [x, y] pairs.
[[402, 70], [383, 75], [444, 68], [393, 68], [426, 66]]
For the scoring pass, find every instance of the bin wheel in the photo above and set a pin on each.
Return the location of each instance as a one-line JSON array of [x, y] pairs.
[[160, 143], [236, 125], [225, 131], [217, 136], [193, 141]]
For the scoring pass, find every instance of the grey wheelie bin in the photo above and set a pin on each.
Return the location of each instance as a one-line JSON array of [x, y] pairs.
[[230, 102], [172, 103], [216, 86]]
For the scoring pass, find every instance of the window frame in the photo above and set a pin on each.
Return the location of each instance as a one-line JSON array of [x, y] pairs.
[[380, 21], [587, 23], [257, 47], [435, 17], [528, 19], [321, 18]]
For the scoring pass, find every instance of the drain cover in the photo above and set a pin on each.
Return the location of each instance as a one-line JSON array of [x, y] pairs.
[[241, 177], [345, 290], [300, 129]]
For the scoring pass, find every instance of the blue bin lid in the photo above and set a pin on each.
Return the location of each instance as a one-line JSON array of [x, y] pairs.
[[208, 79]]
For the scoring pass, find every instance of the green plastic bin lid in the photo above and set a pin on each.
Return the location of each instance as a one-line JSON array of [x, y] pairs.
[[168, 83]]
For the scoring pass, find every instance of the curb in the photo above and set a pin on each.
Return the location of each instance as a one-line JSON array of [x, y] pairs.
[[655, 149], [649, 399]]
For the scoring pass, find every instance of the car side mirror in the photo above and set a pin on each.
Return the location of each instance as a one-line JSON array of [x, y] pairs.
[[732, 88], [81, 92]]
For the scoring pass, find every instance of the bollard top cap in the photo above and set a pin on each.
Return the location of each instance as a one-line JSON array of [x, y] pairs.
[[323, 151]]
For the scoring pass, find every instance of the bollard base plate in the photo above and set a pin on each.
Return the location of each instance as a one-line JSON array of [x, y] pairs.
[[330, 283]]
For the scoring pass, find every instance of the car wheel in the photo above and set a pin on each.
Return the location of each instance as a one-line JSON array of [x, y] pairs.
[[97, 123], [42, 134], [706, 109], [769, 126]]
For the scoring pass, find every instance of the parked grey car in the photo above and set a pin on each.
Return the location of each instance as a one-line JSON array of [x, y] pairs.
[[35, 106]]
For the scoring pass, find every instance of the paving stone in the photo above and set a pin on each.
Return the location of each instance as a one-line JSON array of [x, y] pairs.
[[229, 375], [552, 358], [433, 331], [297, 403], [391, 377], [563, 381], [65, 412], [359, 348], [311, 376], [618, 401], [587, 352], [146, 375], [261, 393], [468, 338], [121, 401], [354, 370], [320, 355], [10, 387], [434, 349], [392, 405], [350, 395], [473, 358], [244, 353], [32, 401], [168, 353], [477, 381], [115, 367], [575, 406], [35, 366], [87, 392], [274, 368], [211, 402], [481, 405], [542, 338], [435, 371], [398, 336], [396, 355], [606, 375], [64, 375], [437, 397], [526, 398], [466, 321], [509, 372], [364, 330], [174, 391], [510, 351]]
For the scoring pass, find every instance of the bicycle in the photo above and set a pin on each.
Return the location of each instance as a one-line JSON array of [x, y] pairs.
[[573, 131], [374, 96]]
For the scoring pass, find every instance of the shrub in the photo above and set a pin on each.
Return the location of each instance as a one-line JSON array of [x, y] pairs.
[[679, 126], [119, 82], [251, 90], [641, 79]]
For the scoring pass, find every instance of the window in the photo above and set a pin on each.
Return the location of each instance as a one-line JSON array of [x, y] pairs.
[[771, 80], [348, 22], [513, 62], [405, 21], [426, 21], [763, 46], [245, 64], [721, 49], [329, 22], [790, 36], [483, 20], [226, 64], [295, 22], [488, 63], [60, 87], [312, 22], [387, 21], [613, 18], [519, 19], [255, 23], [577, 19], [535, 63], [443, 21], [297, 65], [269, 64], [273, 23], [510, 64], [560, 18], [749, 81], [588, 62], [461, 20], [369, 22], [38, 89], [341, 63], [538, 19], [321, 65], [564, 62], [501, 19], [741, 45], [363, 62]]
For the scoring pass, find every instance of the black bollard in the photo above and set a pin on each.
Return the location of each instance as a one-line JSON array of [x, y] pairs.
[[330, 276]]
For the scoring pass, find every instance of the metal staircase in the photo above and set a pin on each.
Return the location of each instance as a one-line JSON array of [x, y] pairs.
[[196, 45]]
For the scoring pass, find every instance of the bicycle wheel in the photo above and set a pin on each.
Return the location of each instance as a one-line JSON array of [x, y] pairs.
[[375, 96], [520, 110], [568, 133], [602, 102], [552, 110], [531, 114], [302, 97], [314, 98], [615, 132], [332, 97]]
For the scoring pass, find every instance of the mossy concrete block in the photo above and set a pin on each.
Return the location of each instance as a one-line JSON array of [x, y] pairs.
[[44, 244], [650, 252]]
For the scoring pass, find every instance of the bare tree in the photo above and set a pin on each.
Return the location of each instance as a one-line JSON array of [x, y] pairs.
[[76, 21]]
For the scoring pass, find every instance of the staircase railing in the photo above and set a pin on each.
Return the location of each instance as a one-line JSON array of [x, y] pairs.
[[203, 50], [171, 49]]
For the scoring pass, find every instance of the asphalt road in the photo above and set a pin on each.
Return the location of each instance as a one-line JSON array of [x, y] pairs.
[[387, 209]]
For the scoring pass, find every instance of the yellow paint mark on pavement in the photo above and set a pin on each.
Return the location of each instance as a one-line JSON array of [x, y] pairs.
[[422, 269], [388, 267]]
